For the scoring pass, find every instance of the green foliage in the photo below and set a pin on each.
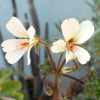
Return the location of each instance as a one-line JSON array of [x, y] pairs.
[[95, 51], [45, 68], [5, 74], [97, 24], [8, 87], [92, 88]]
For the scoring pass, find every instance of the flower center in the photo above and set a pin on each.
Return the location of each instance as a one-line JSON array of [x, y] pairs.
[[31, 43], [70, 44], [35, 41], [24, 44]]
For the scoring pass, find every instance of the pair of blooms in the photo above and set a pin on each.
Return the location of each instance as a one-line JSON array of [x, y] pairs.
[[74, 33]]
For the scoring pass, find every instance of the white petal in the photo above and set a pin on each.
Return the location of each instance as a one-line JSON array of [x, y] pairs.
[[69, 56], [12, 44], [70, 28], [86, 31], [82, 55], [58, 46], [14, 56], [28, 56], [15, 26], [31, 32]]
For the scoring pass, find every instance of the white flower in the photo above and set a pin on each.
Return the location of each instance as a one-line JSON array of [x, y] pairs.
[[74, 35], [16, 48]]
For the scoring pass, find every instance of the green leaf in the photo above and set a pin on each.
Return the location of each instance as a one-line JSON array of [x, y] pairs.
[[10, 87], [5, 74], [45, 68], [18, 96]]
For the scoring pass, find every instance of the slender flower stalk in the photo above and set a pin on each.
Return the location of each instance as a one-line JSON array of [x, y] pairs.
[[74, 78], [60, 59]]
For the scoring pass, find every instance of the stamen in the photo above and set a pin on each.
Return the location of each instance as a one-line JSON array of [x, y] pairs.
[[25, 44], [70, 45], [35, 41]]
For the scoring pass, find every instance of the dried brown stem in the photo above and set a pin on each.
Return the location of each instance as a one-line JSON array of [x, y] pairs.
[[34, 16], [53, 65], [74, 78], [15, 12], [59, 61], [61, 65], [76, 64]]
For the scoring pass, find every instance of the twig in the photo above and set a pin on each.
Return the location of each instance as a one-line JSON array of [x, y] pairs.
[[77, 65], [36, 73], [59, 61], [53, 65], [74, 78], [60, 66], [15, 12], [33, 14], [46, 35]]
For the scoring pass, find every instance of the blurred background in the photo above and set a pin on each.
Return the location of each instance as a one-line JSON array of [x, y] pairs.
[[45, 15]]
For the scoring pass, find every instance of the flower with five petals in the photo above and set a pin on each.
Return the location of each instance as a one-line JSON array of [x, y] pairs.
[[74, 33], [16, 48]]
